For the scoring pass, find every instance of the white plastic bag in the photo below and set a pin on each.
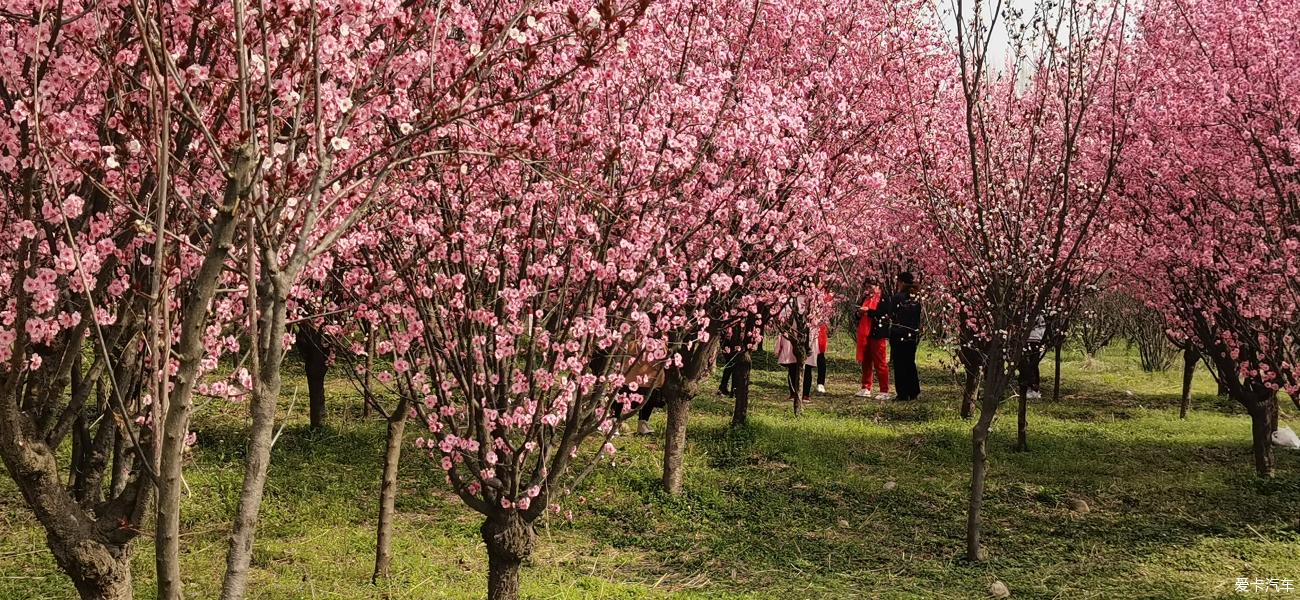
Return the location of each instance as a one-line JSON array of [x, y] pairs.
[[1286, 438]]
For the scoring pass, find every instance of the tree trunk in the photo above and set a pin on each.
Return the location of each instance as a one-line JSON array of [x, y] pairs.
[[1190, 358], [176, 422], [678, 407], [1022, 422], [100, 568], [968, 392], [509, 541], [796, 394], [95, 554], [1056, 374], [740, 388], [267, 382], [979, 466], [311, 348], [679, 388], [1263, 422], [388, 491], [98, 571], [995, 382]]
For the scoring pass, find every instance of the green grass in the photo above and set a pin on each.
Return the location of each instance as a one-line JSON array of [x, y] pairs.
[[785, 508]]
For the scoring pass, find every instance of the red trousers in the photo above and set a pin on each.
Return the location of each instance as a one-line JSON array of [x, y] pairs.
[[874, 358]]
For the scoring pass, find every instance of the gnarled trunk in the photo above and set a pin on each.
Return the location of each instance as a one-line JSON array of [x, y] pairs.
[[744, 363], [509, 541], [95, 553], [98, 570]]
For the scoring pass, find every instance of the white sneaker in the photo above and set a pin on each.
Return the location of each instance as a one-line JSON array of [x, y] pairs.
[[821, 389], [863, 393], [643, 428], [885, 396]]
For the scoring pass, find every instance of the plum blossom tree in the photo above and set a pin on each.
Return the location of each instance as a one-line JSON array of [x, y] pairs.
[[88, 146], [1213, 183], [1103, 316], [1014, 171], [227, 146], [335, 100], [788, 168], [508, 278]]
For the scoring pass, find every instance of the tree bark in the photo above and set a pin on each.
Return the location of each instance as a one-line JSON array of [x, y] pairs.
[[1190, 358], [968, 392], [388, 491], [95, 553], [194, 317], [311, 347], [995, 382], [678, 406], [509, 541], [266, 383], [99, 571], [1022, 422], [979, 466], [679, 388], [1056, 373], [972, 362], [740, 388], [1263, 422]]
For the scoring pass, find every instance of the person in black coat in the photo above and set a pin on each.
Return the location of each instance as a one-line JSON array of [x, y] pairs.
[[903, 312]]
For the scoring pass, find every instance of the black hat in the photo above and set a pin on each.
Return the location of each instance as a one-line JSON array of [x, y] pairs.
[[906, 278]]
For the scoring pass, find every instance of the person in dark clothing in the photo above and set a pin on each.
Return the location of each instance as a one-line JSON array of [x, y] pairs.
[[733, 342], [1030, 377], [651, 400], [724, 386], [647, 374], [903, 312]]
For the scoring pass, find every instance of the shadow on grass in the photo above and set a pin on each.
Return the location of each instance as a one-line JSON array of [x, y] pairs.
[[780, 497], [797, 507]]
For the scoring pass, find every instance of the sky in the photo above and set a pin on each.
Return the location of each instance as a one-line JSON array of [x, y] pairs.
[[998, 46]]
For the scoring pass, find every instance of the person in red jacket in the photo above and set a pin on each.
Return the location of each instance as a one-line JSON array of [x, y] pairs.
[[873, 341]]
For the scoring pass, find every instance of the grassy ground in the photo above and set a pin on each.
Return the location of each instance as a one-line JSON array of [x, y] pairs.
[[786, 508]]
